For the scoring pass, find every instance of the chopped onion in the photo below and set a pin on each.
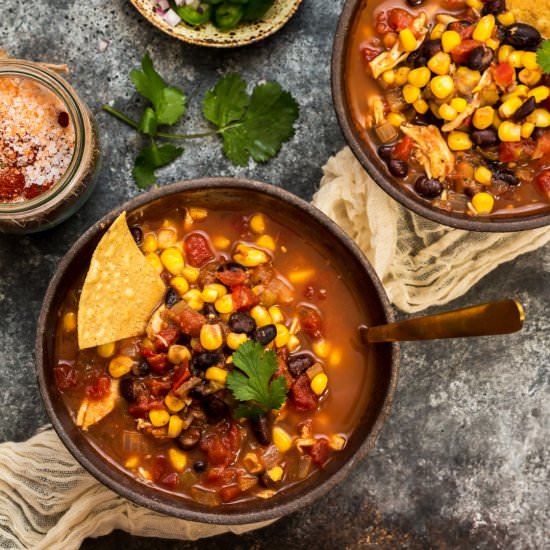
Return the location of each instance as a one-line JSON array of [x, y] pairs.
[[172, 18]]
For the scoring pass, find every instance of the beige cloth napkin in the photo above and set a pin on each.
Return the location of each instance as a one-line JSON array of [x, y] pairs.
[[420, 262]]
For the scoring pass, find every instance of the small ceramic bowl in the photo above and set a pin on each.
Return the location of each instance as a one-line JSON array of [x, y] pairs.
[[315, 227], [373, 164], [209, 35]]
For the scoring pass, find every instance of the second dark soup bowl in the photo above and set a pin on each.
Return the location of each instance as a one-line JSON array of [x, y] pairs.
[[315, 227]]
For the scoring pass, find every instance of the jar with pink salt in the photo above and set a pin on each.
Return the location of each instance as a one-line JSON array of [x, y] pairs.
[[48, 148]]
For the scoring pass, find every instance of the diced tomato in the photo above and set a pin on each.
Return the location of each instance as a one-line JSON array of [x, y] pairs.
[[461, 52], [543, 181], [197, 250], [320, 451], [542, 148], [157, 387], [503, 74], [403, 148], [399, 19], [65, 377], [310, 321], [301, 395], [232, 278], [181, 375], [244, 298], [165, 338], [100, 388], [230, 492], [170, 480], [158, 362], [370, 52]]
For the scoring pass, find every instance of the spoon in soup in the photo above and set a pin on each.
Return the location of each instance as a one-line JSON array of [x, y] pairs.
[[500, 317]]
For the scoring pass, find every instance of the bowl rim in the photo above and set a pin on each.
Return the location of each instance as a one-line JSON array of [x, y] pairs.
[[360, 150], [216, 515]]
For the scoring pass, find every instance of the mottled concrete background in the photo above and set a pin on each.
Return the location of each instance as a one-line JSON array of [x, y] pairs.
[[463, 460]]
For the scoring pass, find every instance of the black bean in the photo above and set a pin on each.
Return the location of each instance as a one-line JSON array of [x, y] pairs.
[[521, 35], [428, 187], [485, 138], [414, 3], [137, 233], [260, 428], [171, 297], [431, 47], [493, 6], [241, 323], [129, 389], [215, 408], [189, 439], [480, 58], [265, 334], [298, 363], [206, 359], [526, 109], [199, 466], [141, 369], [398, 168], [231, 266], [385, 151]]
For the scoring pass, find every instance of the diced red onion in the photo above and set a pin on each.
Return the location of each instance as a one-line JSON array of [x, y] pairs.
[[172, 18]]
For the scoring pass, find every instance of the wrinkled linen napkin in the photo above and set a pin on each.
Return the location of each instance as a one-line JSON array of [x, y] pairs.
[[47, 501]]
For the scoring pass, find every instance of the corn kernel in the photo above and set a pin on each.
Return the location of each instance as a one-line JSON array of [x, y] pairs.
[[483, 175], [159, 417], [293, 343], [106, 350], [527, 129], [120, 365], [442, 86], [257, 224], [540, 118], [267, 241], [175, 426], [166, 237], [459, 104], [459, 141], [337, 442], [172, 260], [410, 93], [177, 459], [221, 243], [69, 321], [530, 77], [419, 77], [407, 40], [276, 314], [335, 357], [509, 107], [504, 53], [492, 43], [506, 18], [234, 339], [198, 214], [275, 473], [446, 112], [301, 276], [483, 203], [437, 31], [178, 354], [249, 256], [154, 261], [395, 119], [281, 439], [450, 40], [211, 337], [216, 374], [421, 106], [132, 462], [224, 304], [540, 93], [484, 28], [261, 316], [179, 284], [174, 403], [283, 335], [321, 348], [401, 76], [149, 243], [440, 63], [475, 4], [509, 131], [388, 77], [319, 383]]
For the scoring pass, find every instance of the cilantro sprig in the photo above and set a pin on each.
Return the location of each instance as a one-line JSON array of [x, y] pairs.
[[251, 383], [251, 126], [543, 56]]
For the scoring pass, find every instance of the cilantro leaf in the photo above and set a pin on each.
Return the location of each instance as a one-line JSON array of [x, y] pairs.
[[169, 102], [543, 56], [266, 125], [149, 159], [251, 380], [227, 101]]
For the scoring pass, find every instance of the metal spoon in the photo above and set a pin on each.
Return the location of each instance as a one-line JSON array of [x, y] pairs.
[[501, 317]]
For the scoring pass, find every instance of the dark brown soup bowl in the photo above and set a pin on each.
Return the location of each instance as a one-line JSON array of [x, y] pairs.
[[374, 166], [316, 228]]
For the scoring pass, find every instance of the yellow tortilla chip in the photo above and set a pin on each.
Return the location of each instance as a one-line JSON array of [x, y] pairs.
[[536, 14], [120, 292]]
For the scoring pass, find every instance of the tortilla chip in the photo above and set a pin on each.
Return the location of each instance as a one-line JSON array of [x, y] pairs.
[[536, 14], [120, 292]]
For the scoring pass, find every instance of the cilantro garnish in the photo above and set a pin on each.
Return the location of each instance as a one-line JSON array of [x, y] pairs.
[[251, 381], [252, 126], [543, 56]]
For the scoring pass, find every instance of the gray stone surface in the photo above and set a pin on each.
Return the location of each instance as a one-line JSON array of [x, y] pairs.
[[463, 460]]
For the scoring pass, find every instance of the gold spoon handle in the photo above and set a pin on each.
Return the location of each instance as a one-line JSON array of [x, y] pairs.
[[500, 317]]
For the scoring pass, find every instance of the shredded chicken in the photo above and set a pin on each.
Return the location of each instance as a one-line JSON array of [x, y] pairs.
[[91, 411], [430, 150], [389, 59]]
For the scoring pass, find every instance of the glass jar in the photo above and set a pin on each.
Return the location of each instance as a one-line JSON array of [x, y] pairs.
[[74, 187]]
